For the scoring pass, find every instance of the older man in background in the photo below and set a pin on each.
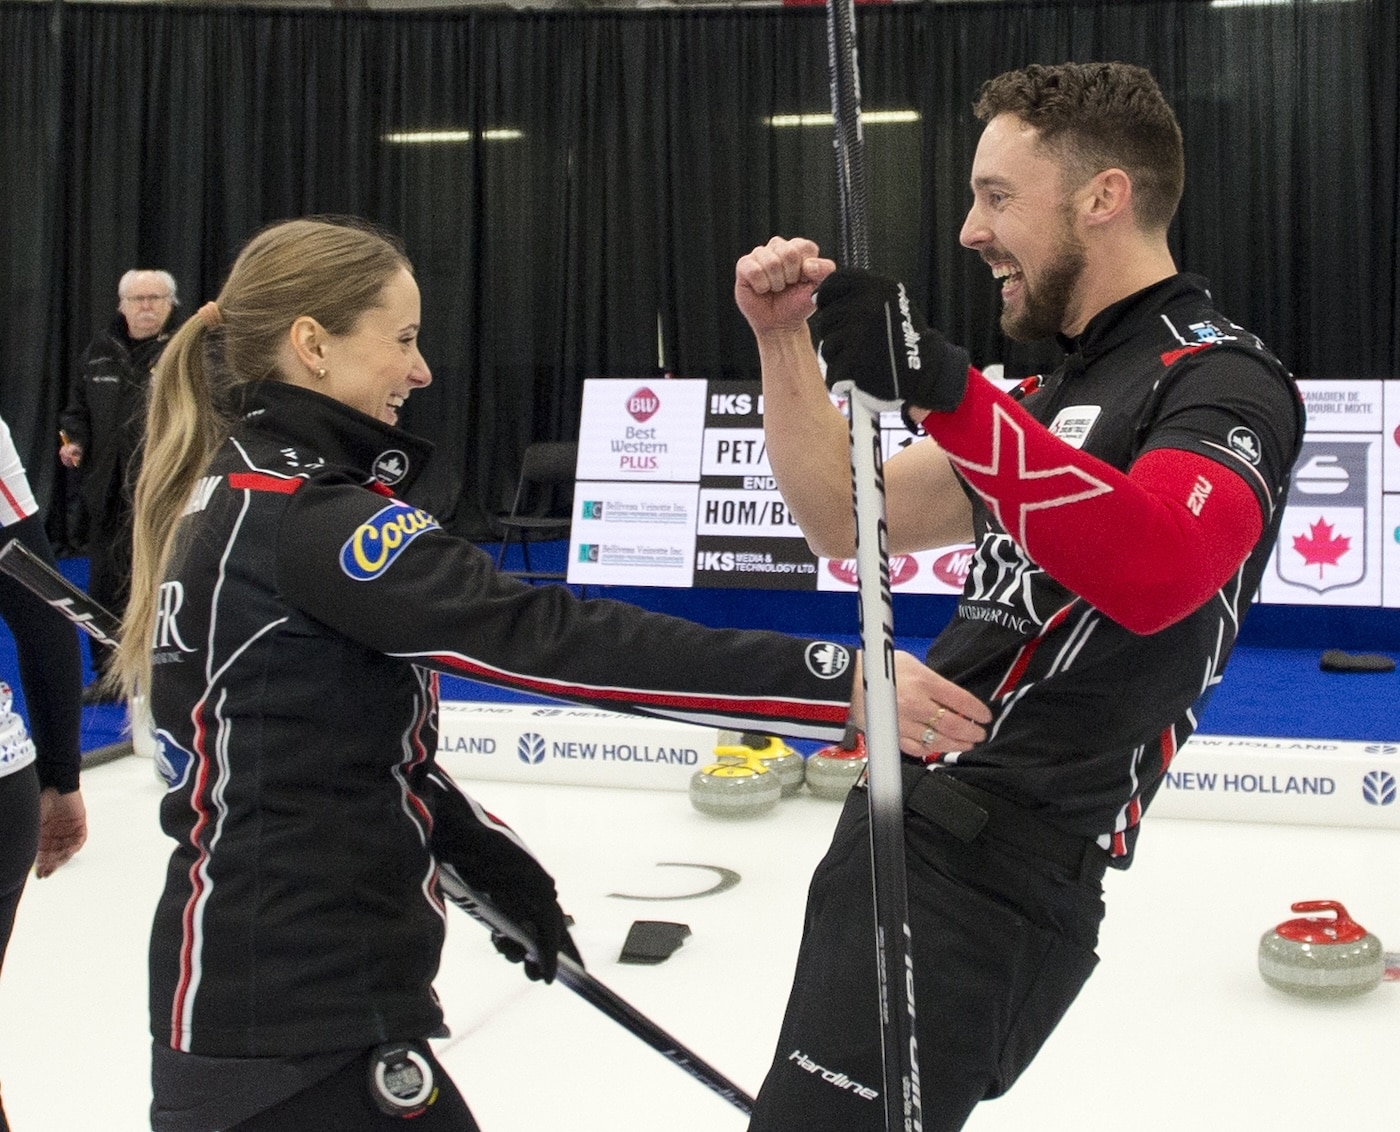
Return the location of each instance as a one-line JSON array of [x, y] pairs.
[[102, 428]]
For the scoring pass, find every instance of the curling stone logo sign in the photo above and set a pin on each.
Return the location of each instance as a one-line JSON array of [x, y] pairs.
[[1322, 543], [530, 749]]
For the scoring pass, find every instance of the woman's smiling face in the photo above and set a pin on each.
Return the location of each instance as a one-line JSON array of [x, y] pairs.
[[377, 365]]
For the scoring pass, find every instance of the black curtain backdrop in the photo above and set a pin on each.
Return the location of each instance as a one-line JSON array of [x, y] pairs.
[[607, 168]]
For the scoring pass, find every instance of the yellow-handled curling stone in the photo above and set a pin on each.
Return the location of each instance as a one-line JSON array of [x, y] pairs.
[[1322, 956], [750, 774]]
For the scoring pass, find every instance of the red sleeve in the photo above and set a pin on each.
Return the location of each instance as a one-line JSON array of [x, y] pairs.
[[1146, 548]]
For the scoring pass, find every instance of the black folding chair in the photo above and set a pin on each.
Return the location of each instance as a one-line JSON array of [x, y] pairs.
[[543, 505]]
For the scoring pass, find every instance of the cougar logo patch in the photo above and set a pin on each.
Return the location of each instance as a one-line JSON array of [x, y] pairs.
[[380, 539]]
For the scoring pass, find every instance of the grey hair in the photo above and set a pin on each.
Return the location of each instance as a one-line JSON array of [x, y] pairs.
[[164, 276]]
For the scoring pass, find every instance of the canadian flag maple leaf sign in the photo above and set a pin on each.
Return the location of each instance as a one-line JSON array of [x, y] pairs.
[[1323, 541], [1321, 546]]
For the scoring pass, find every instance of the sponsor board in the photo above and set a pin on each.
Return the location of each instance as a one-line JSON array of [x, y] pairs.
[[1284, 781], [569, 746], [940, 571], [1343, 406], [759, 563], [656, 437], [724, 511], [1390, 430], [644, 430], [638, 534], [1390, 585], [1214, 777], [1329, 547]]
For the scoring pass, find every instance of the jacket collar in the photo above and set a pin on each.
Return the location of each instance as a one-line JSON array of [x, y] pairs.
[[120, 335], [1122, 320], [341, 436]]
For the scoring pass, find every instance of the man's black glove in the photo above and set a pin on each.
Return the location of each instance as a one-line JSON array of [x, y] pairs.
[[493, 861], [872, 336]]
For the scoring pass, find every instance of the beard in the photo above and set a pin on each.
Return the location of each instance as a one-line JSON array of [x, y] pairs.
[[1045, 307]]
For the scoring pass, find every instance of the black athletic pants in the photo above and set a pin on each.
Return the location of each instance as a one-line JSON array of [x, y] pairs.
[[1003, 939], [51, 676], [19, 841], [344, 1102], [332, 1092]]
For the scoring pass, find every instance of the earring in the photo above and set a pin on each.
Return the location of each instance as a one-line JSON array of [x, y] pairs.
[[321, 374]]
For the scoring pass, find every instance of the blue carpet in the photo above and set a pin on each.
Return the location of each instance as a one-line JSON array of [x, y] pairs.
[[1273, 686], [102, 726]]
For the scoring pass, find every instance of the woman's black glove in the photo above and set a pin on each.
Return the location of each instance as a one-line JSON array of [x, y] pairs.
[[493, 861], [872, 336]]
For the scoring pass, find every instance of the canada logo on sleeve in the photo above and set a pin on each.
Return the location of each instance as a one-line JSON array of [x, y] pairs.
[[827, 660], [391, 467], [1244, 443]]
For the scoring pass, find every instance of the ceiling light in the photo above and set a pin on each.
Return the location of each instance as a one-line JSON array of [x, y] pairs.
[[867, 117], [447, 137]]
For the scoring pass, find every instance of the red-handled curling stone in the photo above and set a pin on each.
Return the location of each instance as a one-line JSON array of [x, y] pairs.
[[833, 770], [1321, 956]]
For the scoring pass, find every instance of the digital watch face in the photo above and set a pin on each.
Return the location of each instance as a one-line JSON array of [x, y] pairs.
[[401, 1080]]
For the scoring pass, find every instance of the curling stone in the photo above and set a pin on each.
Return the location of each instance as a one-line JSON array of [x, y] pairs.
[[737, 785], [734, 790], [1318, 957], [771, 751], [832, 771]]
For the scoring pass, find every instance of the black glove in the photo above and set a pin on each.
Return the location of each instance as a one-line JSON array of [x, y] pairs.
[[493, 861], [872, 336]]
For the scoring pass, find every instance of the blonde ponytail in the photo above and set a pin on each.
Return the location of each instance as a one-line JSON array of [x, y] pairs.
[[183, 430], [330, 268]]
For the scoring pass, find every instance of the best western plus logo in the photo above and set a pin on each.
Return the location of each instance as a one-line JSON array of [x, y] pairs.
[[638, 448], [642, 405]]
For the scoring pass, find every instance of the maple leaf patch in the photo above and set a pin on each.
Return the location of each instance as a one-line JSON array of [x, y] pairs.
[[1321, 546]]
